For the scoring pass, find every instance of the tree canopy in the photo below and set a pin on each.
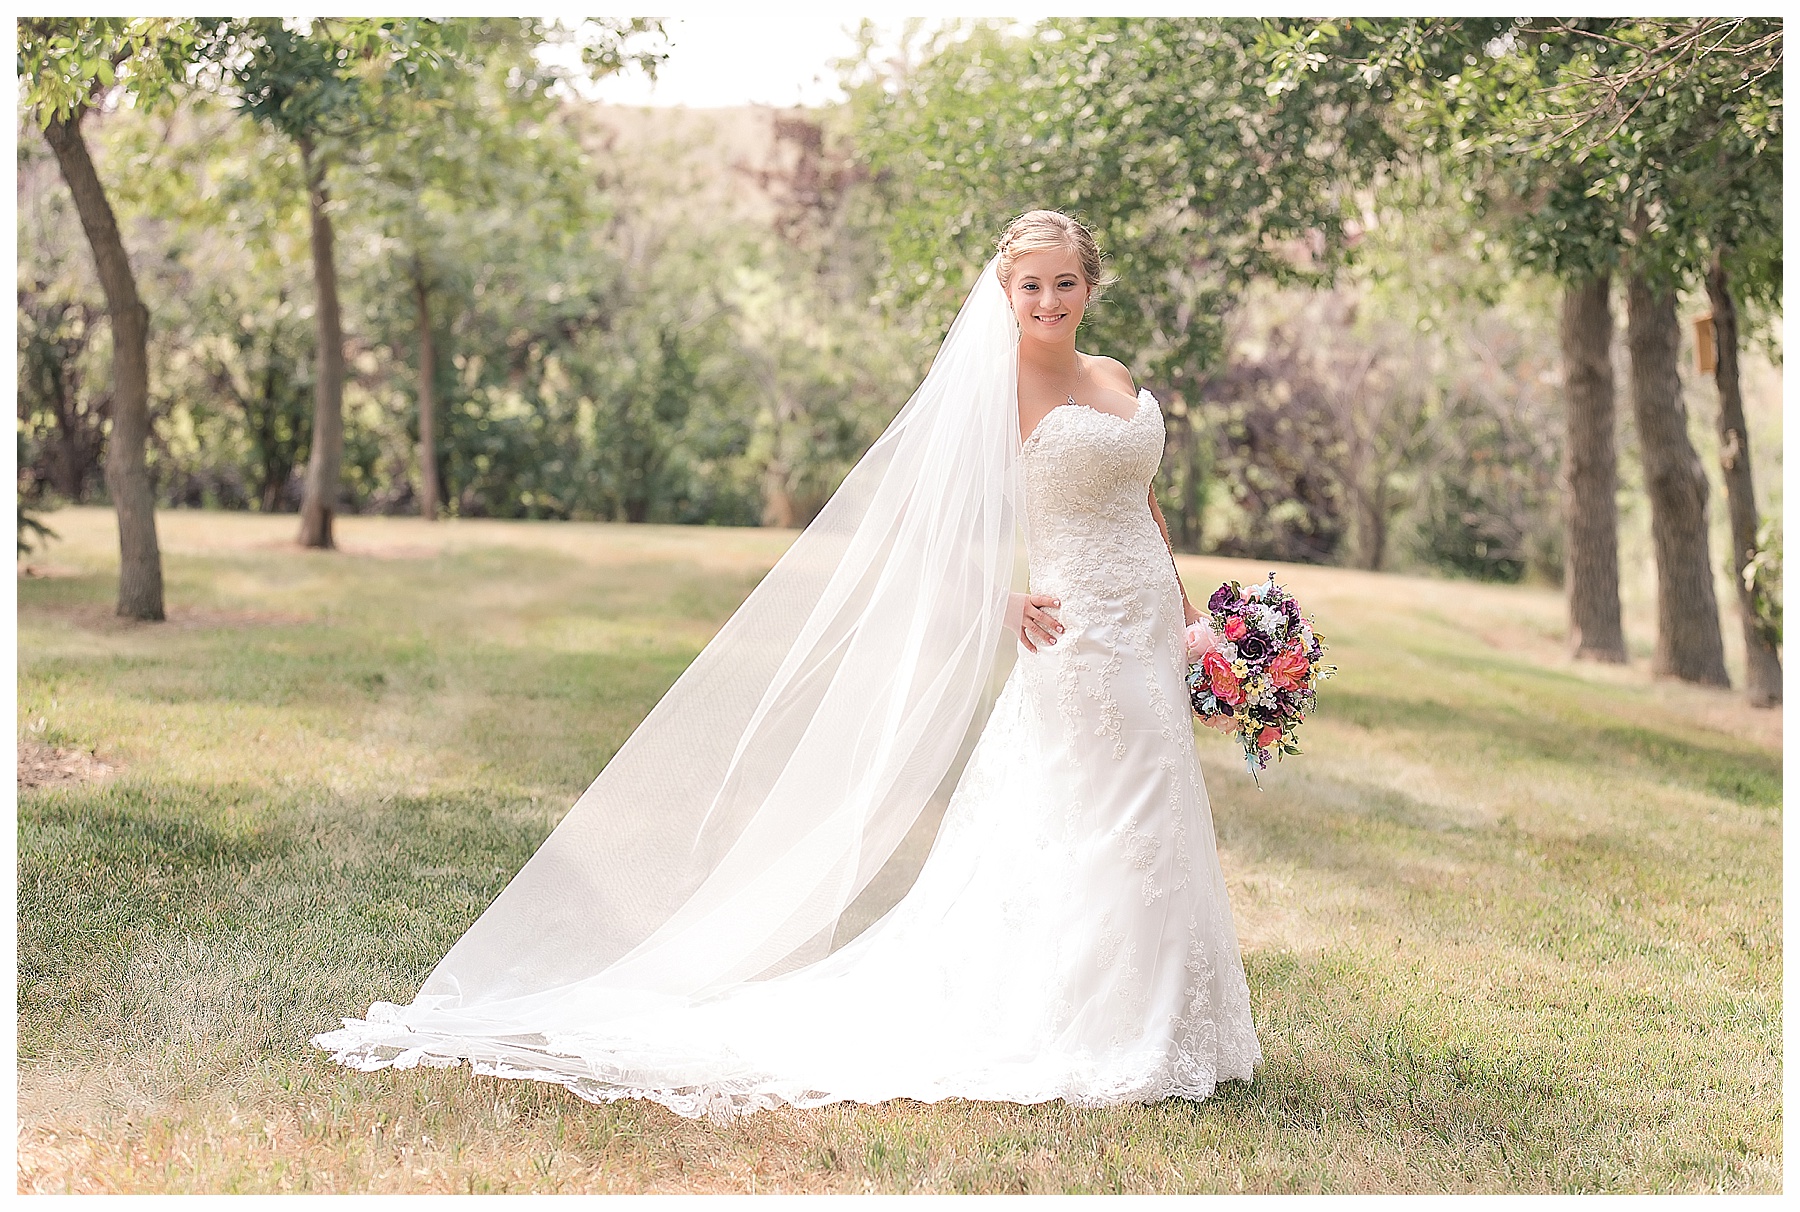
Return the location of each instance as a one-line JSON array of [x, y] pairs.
[[1337, 250]]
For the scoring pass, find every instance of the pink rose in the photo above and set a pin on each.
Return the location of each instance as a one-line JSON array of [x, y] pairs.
[[1235, 628], [1200, 640]]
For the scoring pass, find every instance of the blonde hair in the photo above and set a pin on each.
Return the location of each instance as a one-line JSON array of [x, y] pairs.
[[1041, 230]]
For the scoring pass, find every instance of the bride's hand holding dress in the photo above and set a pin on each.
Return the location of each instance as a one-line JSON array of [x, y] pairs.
[[1032, 617]]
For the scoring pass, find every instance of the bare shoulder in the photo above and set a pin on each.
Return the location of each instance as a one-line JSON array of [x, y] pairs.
[[1111, 374]]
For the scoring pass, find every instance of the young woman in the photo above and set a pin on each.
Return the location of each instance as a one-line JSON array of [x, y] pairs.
[[1069, 936]]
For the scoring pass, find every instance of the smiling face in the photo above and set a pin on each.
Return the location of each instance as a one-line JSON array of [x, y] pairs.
[[1049, 293]]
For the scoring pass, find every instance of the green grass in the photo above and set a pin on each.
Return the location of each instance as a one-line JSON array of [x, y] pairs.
[[1510, 925]]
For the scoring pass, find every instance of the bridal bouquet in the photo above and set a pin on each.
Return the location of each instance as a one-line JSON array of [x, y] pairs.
[[1255, 670]]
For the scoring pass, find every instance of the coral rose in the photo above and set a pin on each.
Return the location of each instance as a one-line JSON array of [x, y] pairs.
[[1235, 628], [1224, 683], [1288, 671], [1268, 736]]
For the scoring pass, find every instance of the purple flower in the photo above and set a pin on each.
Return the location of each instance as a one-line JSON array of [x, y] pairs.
[[1253, 648], [1222, 597]]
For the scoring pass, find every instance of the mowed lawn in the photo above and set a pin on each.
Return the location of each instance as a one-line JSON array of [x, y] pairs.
[[1511, 924]]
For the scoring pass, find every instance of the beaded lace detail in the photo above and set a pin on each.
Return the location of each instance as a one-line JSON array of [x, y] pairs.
[[1089, 533]]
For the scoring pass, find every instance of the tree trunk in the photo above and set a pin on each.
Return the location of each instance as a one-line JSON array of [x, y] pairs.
[[428, 467], [1688, 643], [1364, 474], [127, 478], [262, 420], [69, 469], [1590, 473], [319, 504], [79, 437], [1761, 662], [1371, 522], [1192, 497], [779, 508]]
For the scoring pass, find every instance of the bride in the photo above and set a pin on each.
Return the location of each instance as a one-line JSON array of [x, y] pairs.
[[678, 937]]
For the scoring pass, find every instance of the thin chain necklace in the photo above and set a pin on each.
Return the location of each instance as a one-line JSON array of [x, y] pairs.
[[1071, 395]]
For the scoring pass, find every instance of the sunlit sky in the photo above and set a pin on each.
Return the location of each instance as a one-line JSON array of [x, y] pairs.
[[743, 54], [742, 57]]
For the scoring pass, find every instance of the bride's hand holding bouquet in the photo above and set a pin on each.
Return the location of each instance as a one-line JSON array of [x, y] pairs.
[[1201, 640]]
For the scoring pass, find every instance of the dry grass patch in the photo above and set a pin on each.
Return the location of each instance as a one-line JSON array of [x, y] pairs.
[[42, 765]]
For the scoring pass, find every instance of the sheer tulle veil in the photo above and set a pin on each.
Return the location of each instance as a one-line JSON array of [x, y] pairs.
[[725, 839]]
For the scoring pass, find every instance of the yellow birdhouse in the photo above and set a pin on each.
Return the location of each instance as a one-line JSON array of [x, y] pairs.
[[1706, 344]]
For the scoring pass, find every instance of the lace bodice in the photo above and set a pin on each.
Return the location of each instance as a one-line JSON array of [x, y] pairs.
[[1088, 529]]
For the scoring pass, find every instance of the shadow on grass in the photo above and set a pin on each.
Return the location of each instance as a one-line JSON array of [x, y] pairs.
[[1744, 775], [1348, 1057], [275, 911], [1360, 1090], [320, 669]]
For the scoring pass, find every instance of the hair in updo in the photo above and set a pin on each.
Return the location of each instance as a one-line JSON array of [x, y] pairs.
[[1039, 230]]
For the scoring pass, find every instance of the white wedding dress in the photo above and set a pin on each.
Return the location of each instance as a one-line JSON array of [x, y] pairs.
[[1069, 935]]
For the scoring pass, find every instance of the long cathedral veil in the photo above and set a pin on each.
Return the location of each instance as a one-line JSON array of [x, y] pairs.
[[724, 840]]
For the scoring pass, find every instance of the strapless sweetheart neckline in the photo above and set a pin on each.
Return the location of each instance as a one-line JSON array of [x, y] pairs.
[[1143, 394]]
